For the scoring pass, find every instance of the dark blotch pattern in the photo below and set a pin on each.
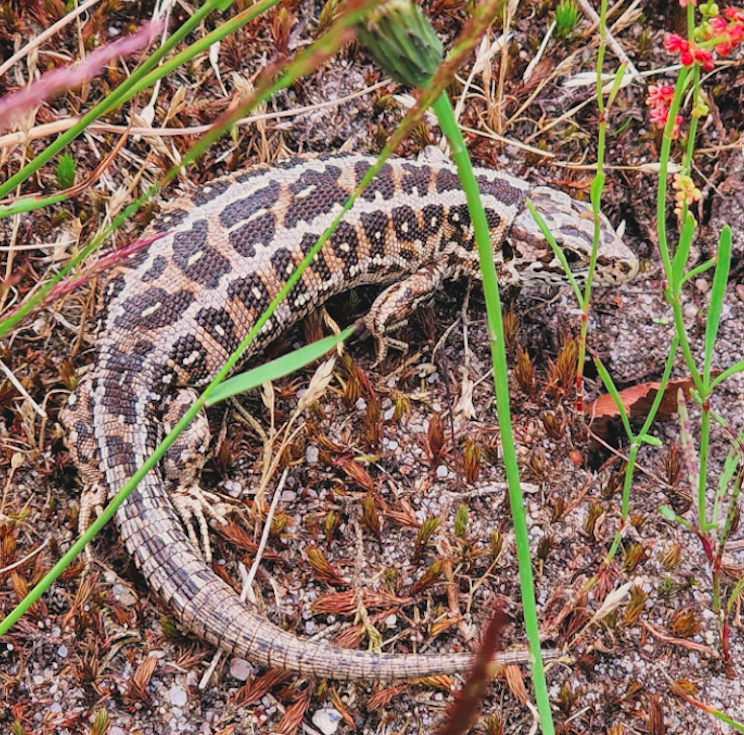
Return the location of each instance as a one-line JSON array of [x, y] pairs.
[[220, 328], [155, 270], [345, 235], [447, 181], [320, 266], [433, 217], [415, 179], [406, 225], [326, 194], [161, 309], [375, 228], [258, 231], [502, 190], [190, 355], [168, 220], [283, 264], [383, 182], [250, 291], [196, 259], [242, 209], [206, 194], [493, 219], [459, 217]]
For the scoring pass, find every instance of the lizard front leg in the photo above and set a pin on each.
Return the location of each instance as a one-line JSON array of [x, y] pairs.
[[182, 465], [77, 418], [392, 307]]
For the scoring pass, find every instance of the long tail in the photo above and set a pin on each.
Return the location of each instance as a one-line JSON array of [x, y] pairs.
[[204, 603]]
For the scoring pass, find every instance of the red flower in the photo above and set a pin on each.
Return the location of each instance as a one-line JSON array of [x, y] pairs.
[[660, 95], [704, 58], [718, 24], [676, 44]]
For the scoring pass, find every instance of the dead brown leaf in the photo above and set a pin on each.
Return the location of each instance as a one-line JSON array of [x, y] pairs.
[[637, 402]]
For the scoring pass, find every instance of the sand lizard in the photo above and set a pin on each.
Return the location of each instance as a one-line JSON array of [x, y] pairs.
[[173, 314]]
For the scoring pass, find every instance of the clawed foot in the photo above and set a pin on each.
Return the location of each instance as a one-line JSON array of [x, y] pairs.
[[192, 503], [384, 343], [92, 501]]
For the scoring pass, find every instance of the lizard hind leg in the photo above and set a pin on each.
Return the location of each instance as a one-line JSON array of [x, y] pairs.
[[392, 307], [77, 418], [182, 465]]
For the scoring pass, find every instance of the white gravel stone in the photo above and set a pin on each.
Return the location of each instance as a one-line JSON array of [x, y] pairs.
[[240, 669], [177, 696], [311, 454], [327, 720]]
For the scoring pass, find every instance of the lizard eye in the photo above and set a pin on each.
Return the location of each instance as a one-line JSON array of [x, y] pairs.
[[571, 255]]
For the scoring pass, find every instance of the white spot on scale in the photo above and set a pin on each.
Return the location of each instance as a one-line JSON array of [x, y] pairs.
[[455, 217], [404, 227], [344, 246], [434, 221], [306, 192], [378, 235], [255, 215], [151, 309], [192, 358], [257, 293], [194, 258], [218, 328]]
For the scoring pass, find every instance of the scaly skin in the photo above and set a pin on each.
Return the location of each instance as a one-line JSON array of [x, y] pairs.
[[176, 311]]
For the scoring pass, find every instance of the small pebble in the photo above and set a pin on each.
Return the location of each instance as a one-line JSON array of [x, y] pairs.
[[240, 669], [124, 594], [702, 285], [311, 454], [327, 720], [178, 696], [361, 404], [62, 651], [289, 496], [442, 471], [234, 489]]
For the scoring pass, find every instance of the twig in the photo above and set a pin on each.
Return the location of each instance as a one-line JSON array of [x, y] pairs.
[[17, 385], [611, 40], [247, 592], [28, 556], [49, 129]]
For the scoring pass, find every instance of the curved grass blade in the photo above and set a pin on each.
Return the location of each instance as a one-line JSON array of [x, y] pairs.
[[278, 368], [720, 281]]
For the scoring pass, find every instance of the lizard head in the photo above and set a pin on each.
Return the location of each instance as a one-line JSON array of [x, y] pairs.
[[529, 259]]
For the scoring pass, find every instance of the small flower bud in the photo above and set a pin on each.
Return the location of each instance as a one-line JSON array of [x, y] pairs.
[[402, 42]]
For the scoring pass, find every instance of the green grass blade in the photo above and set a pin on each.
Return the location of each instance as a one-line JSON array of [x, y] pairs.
[[619, 75], [548, 235], [446, 117], [278, 368], [737, 367], [679, 262], [698, 270], [609, 384], [718, 292]]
